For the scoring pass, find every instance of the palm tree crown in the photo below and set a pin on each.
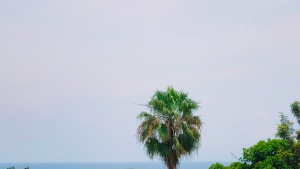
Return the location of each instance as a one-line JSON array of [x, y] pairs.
[[295, 108], [171, 130]]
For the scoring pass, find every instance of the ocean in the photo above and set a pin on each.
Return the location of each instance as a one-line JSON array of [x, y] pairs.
[[154, 165]]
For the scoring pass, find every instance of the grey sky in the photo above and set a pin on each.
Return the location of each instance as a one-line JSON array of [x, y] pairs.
[[71, 71]]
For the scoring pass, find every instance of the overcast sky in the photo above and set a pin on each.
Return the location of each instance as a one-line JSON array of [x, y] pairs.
[[72, 71]]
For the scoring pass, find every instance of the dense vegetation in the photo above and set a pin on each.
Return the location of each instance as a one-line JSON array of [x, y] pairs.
[[280, 153], [171, 130]]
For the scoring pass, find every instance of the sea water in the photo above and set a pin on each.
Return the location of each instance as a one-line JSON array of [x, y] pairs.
[[154, 165]]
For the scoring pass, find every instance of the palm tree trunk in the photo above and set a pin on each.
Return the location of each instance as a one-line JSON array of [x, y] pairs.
[[172, 159]]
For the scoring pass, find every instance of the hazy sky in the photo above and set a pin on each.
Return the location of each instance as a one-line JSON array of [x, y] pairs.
[[71, 71]]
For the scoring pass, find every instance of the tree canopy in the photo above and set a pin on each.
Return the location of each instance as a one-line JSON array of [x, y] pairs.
[[282, 152]]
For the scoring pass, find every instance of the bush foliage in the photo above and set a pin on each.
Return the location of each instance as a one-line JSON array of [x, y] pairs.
[[280, 153]]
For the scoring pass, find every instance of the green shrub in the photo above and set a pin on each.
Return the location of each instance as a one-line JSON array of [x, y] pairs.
[[217, 166]]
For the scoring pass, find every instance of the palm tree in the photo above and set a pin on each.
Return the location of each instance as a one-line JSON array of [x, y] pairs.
[[171, 130], [295, 109]]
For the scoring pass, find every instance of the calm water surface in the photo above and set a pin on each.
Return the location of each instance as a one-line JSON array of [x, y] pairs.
[[200, 165]]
